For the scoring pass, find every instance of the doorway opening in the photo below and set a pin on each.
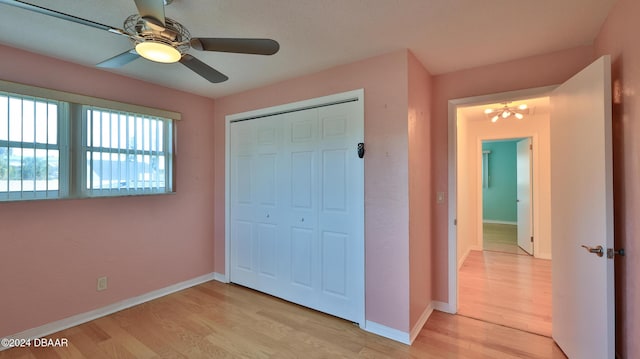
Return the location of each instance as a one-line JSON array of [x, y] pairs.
[[504, 280], [506, 182]]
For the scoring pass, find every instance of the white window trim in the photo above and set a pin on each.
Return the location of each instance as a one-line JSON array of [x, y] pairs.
[[28, 90]]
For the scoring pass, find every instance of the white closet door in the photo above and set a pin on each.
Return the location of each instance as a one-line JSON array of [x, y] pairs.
[[256, 210], [340, 204], [297, 208], [301, 199]]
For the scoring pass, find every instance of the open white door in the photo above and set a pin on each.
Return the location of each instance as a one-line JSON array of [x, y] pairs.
[[523, 188], [582, 213]]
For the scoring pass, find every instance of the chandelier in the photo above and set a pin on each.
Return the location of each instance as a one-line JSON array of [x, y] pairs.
[[507, 111]]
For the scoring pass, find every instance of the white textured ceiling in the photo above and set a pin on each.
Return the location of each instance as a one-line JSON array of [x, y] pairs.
[[445, 35]]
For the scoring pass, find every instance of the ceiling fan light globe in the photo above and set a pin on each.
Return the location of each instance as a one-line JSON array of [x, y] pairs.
[[495, 118], [488, 111], [523, 107], [506, 114], [519, 116], [158, 52]]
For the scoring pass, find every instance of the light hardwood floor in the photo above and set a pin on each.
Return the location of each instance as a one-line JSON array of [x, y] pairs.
[[216, 320], [506, 289], [501, 238]]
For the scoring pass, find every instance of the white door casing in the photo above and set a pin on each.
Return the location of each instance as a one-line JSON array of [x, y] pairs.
[[524, 202], [582, 213], [296, 203]]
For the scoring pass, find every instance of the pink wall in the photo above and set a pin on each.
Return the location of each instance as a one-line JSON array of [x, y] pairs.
[[619, 38], [53, 251], [384, 79], [420, 199], [531, 72]]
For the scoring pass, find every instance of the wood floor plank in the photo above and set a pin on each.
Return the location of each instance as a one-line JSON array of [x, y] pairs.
[[216, 320], [507, 289], [499, 237], [120, 334]]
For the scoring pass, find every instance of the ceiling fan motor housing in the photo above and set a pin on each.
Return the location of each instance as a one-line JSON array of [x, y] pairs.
[[173, 33]]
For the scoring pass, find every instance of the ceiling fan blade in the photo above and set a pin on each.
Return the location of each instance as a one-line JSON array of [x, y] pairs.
[[203, 69], [152, 11], [240, 46], [119, 60], [63, 16]]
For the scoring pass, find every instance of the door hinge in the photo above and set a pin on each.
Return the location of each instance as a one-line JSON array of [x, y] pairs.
[[361, 149], [531, 239], [611, 252], [455, 222], [531, 146]]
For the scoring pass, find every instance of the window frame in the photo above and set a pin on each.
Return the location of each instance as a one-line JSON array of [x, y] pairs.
[[62, 125], [72, 166], [85, 147]]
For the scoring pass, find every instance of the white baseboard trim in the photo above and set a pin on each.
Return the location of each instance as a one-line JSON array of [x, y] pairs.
[[81, 318], [443, 307], [421, 322], [490, 221], [384, 331], [220, 277]]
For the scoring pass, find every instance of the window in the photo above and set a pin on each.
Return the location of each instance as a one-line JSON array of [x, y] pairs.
[[126, 152], [59, 145], [31, 156]]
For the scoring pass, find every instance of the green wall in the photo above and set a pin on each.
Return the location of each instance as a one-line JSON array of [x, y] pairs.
[[499, 198]]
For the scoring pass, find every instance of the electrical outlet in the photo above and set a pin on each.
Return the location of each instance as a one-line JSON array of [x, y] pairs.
[[102, 284]]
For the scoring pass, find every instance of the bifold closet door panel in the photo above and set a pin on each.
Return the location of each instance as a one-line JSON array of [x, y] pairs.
[[340, 205], [300, 198], [256, 213]]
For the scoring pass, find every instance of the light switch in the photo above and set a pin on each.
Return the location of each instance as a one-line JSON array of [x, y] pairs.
[[440, 197]]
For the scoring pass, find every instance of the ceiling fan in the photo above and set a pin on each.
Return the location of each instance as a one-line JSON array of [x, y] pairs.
[[161, 39]]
